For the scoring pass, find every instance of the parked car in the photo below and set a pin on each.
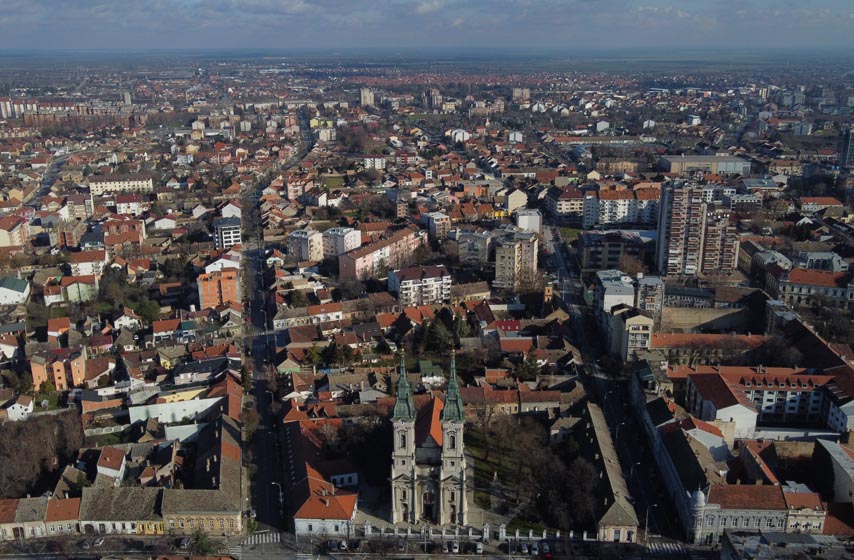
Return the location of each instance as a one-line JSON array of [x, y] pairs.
[[523, 548], [444, 547], [342, 546], [455, 547], [184, 543], [98, 542], [478, 547], [535, 549], [401, 545], [86, 544]]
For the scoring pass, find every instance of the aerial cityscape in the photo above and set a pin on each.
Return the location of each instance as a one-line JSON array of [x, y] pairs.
[[426, 279]]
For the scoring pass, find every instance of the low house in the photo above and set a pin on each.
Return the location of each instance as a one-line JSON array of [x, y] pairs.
[[20, 408], [14, 291], [62, 516]]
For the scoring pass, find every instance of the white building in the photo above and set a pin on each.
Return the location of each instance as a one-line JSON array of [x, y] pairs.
[[421, 285], [14, 291], [226, 232], [340, 240], [20, 409], [530, 220], [99, 185]]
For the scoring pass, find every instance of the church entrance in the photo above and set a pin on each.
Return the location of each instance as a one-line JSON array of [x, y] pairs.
[[427, 510]]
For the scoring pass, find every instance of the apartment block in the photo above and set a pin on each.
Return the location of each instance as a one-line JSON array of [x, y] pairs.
[[565, 204], [100, 185], [421, 285], [694, 237], [340, 240], [306, 245], [515, 260], [374, 260], [218, 288], [601, 250], [226, 232], [473, 246]]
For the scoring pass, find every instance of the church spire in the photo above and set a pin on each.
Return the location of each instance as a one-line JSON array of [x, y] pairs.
[[453, 411], [404, 408]]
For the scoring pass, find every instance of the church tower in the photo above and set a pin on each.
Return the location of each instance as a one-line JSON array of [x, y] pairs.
[[452, 476], [404, 502]]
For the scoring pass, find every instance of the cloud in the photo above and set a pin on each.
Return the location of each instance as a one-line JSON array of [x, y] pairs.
[[569, 24], [430, 6]]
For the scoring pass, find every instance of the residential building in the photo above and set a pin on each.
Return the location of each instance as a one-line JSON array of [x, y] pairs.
[[630, 331], [14, 291], [366, 97], [813, 204], [693, 236], [375, 259], [421, 285], [565, 204], [798, 287], [649, 296], [219, 288], [610, 289], [602, 250], [514, 200], [438, 224], [86, 263], [819, 260], [103, 184], [20, 408], [340, 240], [14, 231], [227, 232], [473, 247], [515, 260], [306, 245]]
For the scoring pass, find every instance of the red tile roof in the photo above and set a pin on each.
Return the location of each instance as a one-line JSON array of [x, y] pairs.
[[745, 496]]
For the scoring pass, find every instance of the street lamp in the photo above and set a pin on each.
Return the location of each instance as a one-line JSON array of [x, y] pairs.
[[281, 496], [632, 472], [646, 523]]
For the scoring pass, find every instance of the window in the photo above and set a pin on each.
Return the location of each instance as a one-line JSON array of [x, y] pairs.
[[769, 523], [452, 442], [171, 523], [52, 529], [310, 528], [231, 523], [780, 522], [616, 535], [403, 441], [68, 527], [222, 523], [210, 523], [192, 523], [181, 523], [337, 528]]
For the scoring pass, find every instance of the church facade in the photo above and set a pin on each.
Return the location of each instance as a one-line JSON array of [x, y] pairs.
[[428, 474]]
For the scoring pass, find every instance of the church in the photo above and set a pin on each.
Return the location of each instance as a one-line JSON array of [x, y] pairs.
[[428, 473]]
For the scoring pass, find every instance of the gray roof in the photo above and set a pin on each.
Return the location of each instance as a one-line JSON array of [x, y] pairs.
[[15, 284], [31, 510], [120, 504], [620, 511]]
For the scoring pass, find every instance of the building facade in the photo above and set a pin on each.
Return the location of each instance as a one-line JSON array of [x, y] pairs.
[[428, 473]]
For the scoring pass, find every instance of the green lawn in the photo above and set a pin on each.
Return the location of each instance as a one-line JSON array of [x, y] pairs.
[[569, 234], [333, 182], [52, 399], [484, 469], [58, 312]]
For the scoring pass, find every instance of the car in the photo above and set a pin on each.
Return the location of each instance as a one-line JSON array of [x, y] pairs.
[[444, 548], [98, 542], [478, 547], [401, 546], [252, 514], [455, 547], [184, 543], [342, 546], [523, 548], [86, 545], [535, 549]]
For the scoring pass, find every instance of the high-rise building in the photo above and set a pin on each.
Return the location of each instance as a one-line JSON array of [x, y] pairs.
[[306, 245], [515, 260], [694, 237], [218, 288], [366, 97], [846, 155]]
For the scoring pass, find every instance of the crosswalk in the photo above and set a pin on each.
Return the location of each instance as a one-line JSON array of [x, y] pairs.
[[269, 537], [667, 550]]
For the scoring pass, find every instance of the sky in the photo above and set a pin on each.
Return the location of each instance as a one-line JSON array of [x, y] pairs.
[[391, 24]]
